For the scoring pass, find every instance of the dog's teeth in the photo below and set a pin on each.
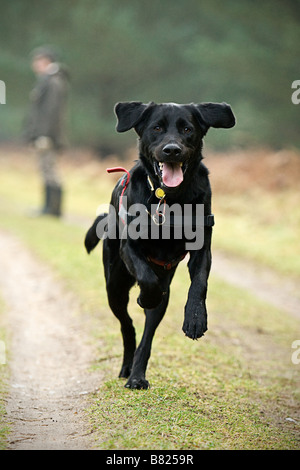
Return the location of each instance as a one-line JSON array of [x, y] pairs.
[[160, 165], [180, 163]]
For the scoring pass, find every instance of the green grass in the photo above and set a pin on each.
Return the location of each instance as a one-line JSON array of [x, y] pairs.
[[261, 226], [181, 418], [232, 389]]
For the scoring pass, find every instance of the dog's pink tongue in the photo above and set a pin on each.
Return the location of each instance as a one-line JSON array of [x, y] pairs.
[[172, 174]]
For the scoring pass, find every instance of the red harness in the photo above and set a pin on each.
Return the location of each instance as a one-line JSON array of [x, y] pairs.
[[124, 182]]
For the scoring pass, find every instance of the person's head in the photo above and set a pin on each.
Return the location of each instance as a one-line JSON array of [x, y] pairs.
[[41, 58]]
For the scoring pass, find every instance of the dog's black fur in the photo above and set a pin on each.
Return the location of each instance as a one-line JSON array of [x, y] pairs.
[[167, 133]]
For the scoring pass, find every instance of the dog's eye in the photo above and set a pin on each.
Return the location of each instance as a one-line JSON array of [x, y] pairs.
[[187, 130], [157, 128]]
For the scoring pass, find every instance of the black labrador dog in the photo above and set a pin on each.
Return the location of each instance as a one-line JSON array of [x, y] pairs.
[[169, 172]]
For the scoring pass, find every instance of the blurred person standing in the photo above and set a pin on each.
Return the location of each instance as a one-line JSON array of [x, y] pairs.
[[44, 125]]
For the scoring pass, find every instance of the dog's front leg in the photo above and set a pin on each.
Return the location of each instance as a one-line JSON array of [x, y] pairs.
[[154, 316], [195, 318], [151, 292]]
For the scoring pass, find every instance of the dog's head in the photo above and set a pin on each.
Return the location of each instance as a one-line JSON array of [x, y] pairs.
[[171, 134]]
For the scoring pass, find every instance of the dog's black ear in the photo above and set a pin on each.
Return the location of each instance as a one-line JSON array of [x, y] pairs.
[[129, 114], [216, 115]]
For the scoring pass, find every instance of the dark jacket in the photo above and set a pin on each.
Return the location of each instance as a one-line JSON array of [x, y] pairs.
[[46, 116]]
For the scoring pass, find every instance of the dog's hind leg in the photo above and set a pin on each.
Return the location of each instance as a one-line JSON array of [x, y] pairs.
[[118, 285], [118, 297]]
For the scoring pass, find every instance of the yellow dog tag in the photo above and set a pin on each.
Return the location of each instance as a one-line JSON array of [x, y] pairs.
[[159, 193]]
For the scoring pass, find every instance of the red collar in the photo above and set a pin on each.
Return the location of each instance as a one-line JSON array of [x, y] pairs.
[[167, 265]]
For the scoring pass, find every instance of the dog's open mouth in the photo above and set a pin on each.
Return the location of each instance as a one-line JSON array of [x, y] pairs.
[[171, 173]]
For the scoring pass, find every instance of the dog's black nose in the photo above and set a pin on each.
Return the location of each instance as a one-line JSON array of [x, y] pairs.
[[172, 150]]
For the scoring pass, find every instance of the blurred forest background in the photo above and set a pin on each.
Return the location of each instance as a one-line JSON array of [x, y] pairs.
[[245, 53]]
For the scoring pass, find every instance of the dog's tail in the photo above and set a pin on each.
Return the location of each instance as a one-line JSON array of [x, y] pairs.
[[92, 239]]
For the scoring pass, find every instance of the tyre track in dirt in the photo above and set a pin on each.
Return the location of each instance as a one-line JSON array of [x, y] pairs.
[[262, 282], [48, 356]]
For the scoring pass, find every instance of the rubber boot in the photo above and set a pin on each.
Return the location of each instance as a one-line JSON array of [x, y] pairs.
[[46, 206], [47, 191]]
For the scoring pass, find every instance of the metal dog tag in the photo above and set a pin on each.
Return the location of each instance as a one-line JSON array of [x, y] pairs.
[[155, 218]]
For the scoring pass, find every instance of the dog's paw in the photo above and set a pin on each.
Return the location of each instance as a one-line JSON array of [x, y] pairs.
[[195, 328], [137, 383]]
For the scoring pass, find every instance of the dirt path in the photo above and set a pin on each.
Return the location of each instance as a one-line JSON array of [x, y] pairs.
[[48, 356], [260, 281]]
